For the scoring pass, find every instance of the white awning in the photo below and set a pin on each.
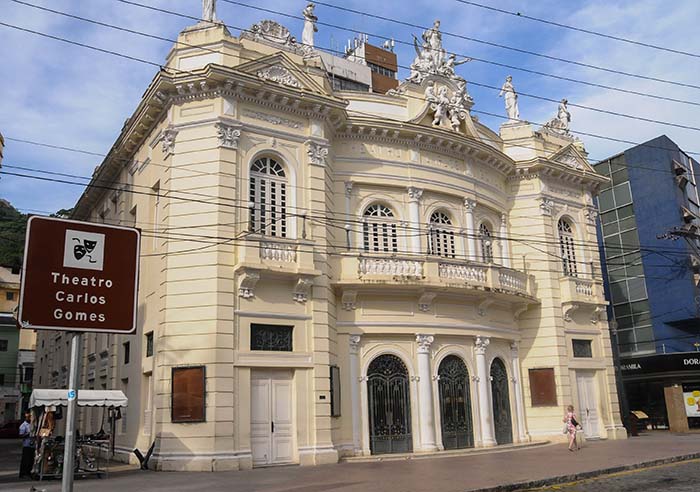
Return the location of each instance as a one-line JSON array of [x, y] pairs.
[[86, 398]]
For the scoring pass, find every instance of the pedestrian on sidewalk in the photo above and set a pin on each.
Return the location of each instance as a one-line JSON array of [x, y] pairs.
[[25, 430], [570, 425]]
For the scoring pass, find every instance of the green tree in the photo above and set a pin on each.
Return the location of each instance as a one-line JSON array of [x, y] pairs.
[[13, 228]]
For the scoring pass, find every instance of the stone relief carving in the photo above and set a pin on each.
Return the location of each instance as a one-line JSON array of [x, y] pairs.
[[279, 74], [547, 206], [571, 160], [228, 135], [317, 153], [448, 110], [168, 140], [349, 300], [275, 34], [302, 289], [425, 301], [275, 120], [247, 283]]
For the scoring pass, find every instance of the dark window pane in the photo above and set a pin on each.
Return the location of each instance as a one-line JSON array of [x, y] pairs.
[[625, 212], [603, 168], [611, 228], [608, 217], [605, 201], [543, 390], [271, 337], [335, 391], [188, 395], [149, 344], [582, 348], [620, 176], [127, 352]]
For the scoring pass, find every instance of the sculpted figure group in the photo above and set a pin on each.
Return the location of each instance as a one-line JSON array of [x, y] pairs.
[[431, 57]]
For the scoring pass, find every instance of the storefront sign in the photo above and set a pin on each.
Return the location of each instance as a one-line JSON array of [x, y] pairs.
[[692, 403], [660, 363], [79, 276]]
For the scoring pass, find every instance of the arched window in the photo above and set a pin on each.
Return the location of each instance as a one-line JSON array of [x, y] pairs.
[[486, 243], [441, 239], [379, 229], [268, 198], [566, 248]]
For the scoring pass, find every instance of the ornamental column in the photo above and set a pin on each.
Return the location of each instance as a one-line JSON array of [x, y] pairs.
[[348, 212], [425, 394], [518, 392], [469, 207], [483, 379], [505, 243], [414, 197], [355, 391]]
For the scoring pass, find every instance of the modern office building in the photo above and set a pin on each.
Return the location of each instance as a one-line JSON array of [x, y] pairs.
[[651, 278], [330, 272]]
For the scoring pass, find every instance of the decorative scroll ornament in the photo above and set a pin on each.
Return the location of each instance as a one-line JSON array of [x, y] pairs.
[[168, 140], [424, 342], [448, 110], [228, 135], [349, 300], [275, 34], [480, 345], [414, 194], [279, 74], [247, 283], [302, 289], [317, 153], [547, 206]]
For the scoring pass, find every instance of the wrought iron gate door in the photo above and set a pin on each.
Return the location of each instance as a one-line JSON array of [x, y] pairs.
[[455, 404], [501, 403], [389, 406]]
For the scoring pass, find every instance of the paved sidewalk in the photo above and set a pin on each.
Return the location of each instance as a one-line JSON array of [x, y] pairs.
[[454, 474]]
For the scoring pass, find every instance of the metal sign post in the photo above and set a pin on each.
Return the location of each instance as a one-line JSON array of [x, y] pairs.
[[78, 276], [69, 446]]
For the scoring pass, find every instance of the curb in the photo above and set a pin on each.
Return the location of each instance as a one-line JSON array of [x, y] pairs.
[[544, 482]]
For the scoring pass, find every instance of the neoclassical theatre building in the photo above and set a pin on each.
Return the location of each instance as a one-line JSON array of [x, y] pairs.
[[336, 264]]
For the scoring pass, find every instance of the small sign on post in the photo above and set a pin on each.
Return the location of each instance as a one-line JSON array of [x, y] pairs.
[[78, 276]]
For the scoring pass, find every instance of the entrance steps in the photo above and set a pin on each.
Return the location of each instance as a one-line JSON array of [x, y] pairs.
[[451, 453]]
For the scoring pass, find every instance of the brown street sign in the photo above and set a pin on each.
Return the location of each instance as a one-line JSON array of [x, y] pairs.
[[79, 276]]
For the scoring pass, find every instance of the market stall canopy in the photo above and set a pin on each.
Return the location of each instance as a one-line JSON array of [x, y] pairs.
[[86, 398]]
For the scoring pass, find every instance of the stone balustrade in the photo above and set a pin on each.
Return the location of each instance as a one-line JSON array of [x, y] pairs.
[[277, 251], [463, 271], [391, 266]]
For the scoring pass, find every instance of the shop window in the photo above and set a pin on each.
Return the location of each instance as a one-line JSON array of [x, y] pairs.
[[188, 394], [271, 337], [149, 344], [543, 389], [335, 391], [582, 348]]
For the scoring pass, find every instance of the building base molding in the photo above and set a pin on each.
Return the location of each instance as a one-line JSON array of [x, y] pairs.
[[317, 455], [202, 461]]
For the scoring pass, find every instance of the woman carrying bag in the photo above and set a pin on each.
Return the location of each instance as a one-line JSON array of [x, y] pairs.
[[570, 427]]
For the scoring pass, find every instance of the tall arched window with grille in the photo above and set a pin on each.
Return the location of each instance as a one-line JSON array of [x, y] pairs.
[[486, 242], [441, 237], [379, 229], [566, 248], [268, 198]]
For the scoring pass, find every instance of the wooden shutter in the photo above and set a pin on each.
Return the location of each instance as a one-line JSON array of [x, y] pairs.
[[188, 394], [543, 389]]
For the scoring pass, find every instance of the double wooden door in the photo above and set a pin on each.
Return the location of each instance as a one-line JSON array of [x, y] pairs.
[[271, 418]]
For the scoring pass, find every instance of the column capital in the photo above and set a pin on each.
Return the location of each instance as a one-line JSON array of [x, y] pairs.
[[504, 218], [424, 342], [514, 348], [355, 343], [469, 204], [480, 344], [414, 194], [348, 188]]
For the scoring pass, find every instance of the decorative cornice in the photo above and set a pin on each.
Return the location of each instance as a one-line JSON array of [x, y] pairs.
[[279, 74]]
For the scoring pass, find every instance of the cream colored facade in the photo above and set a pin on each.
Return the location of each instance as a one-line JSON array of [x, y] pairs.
[[353, 292]]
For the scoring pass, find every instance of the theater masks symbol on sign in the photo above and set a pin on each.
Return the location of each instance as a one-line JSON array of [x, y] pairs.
[[84, 250]]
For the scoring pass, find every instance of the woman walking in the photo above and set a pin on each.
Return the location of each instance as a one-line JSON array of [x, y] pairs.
[[570, 425]]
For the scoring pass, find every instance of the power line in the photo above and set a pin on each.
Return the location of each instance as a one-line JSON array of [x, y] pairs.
[[496, 45], [579, 29], [357, 112]]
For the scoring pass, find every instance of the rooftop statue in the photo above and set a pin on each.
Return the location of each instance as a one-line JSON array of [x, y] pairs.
[[560, 123], [431, 58], [511, 99], [209, 10], [310, 19]]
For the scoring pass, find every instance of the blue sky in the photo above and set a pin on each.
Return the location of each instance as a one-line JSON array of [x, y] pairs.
[[69, 96]]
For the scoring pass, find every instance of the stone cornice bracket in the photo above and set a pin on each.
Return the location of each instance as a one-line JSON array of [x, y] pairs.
[[229, 135], [349, 300], [279, 74], [426, 300], [354, 344], [247, 283], [424, 342], [569, 310], [414, 194], [301, 289], [546, 206], [596, 315], [483, 306], [519, 310], [318, 154], [480, 345], [469, 204], [161, 97], [168, 140]]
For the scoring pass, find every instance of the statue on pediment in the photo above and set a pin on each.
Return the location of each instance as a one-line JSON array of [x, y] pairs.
[[560, 123], [448, 110], [511, 99], [310, 19], [209, 10], [431, 58]]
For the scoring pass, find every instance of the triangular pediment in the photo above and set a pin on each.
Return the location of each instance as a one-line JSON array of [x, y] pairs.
[[280, 69], [571, 157]]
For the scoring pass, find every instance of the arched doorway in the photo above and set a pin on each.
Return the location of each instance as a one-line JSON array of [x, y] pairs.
[[389, 404], [501, 403], [455, 404]]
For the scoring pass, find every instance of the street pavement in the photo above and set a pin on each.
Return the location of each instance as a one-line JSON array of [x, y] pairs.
[[500, 467], [676, 477]]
